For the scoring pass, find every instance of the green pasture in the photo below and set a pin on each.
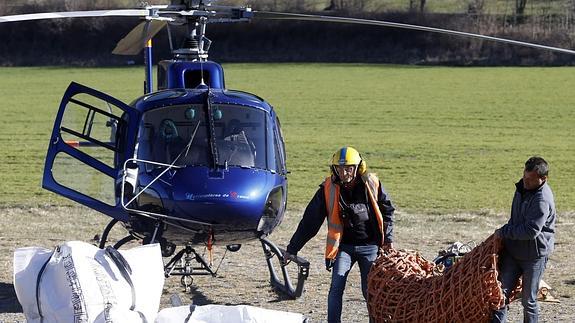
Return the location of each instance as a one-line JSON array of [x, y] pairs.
[[442, 139]]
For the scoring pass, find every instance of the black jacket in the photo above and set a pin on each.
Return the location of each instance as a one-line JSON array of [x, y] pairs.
[[316, 212]]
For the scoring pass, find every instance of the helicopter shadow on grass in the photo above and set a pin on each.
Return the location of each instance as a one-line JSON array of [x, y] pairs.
[[198, 298], [280, 297], [8, 300]]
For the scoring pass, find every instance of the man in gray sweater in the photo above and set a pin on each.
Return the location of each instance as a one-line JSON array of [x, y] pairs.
[[528, 238]]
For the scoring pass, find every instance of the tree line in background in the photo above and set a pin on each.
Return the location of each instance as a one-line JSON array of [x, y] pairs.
[[514, 7], [89, 41]]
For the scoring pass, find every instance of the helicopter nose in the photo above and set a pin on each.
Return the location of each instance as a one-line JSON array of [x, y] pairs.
[[235, 199]]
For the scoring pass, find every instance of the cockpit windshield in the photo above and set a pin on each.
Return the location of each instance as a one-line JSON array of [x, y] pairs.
[[181, 135]]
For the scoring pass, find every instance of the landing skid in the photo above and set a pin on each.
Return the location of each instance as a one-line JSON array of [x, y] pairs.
[[285, 286]]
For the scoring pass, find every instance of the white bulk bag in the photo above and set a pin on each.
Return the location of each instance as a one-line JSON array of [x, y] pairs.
[[226, 314], [78, 282]]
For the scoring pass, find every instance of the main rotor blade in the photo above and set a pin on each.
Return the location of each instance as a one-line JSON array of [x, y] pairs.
[[76, 14], [305, 17], [136, 39]]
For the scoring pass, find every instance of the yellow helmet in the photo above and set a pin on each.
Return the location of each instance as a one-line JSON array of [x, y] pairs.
[[346, 156]]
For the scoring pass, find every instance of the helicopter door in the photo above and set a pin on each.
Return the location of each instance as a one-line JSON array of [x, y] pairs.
[[92, 137]]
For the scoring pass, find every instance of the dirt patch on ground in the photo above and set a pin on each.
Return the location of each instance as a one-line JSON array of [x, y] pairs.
[[243, 276]]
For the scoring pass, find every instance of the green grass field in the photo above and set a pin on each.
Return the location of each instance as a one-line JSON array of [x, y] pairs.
[[443, 140]]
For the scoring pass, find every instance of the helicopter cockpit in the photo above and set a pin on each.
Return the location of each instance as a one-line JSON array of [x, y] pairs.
[[180, 135]]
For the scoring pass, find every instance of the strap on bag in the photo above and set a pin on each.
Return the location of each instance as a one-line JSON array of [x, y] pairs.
[[126, 271], [38, 280]]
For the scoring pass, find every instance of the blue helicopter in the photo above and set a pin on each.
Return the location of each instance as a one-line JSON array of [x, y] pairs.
[[191, 163]]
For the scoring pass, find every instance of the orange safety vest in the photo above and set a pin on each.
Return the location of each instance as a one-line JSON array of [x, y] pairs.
[[334, 221]]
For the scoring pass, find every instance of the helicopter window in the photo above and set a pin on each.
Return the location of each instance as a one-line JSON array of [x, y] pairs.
[[240, 136], [278, 153], [272, 148], [167, 94], [241, 141], [236, 149], [91, 183], [281, 144], [166, 132], [91, 125]]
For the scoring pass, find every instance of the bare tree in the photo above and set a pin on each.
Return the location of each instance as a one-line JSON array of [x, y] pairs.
[[518, 17], [421, 5], [349, 5], [475, 7], [412, 5], [520, 7], [335, 5], [417, 5]]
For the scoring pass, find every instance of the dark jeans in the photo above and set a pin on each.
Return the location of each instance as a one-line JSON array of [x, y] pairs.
[[346, 257], [510, 269]]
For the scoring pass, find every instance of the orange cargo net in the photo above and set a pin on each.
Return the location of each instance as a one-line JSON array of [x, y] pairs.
[[404, 287]]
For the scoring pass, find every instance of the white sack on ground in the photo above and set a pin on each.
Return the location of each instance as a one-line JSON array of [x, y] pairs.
[[225, 314], [81, 283]]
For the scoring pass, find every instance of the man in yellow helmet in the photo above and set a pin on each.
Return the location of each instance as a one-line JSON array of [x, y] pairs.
[[360, 221]]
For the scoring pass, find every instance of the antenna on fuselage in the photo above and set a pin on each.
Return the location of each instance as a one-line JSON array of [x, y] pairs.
[[202, 82], [203, 46]]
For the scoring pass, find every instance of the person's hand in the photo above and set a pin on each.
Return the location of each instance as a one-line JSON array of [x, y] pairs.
[[387, 246], [329, 264], [385, 249], [288, 257]]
